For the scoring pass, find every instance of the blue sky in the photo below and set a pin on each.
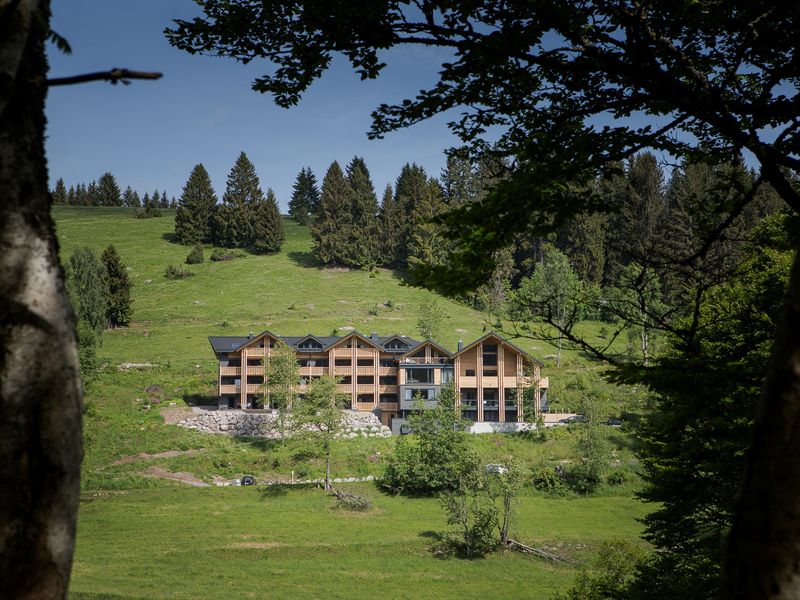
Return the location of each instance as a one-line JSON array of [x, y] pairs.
[[151, 134]]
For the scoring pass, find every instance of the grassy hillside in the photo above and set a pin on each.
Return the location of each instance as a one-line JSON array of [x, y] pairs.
[[143, 536], [288, 293]]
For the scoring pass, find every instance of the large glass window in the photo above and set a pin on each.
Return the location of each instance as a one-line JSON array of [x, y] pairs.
[[490, 355], [365, 379], [419, 375], [310, 344], [343, 362]]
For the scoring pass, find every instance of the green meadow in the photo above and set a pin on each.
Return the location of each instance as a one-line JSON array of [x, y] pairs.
[[143, 536]]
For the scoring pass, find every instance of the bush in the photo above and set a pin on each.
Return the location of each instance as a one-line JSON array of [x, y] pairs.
[[148, 212], [352, 502], [616, 478], [195, 257], [177, 272], [551, 483], [220, 255]]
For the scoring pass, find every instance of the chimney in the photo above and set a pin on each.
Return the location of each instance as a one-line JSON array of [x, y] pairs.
[[250, 334], [374, 336], [460, 345]]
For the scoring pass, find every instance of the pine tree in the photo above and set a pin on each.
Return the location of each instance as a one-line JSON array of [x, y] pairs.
[[173, 203], [196, 208], [163, 201], [411, 186], [363, 245], [460, 182], [86, 286], [107, 191], [118, 294], [426, 246], [60, 193], [233, 219], [136, 202], [267, 225], [305, 196], [584, 243], [330, 228], [127, 197], [82, 195], [93, 195], [391, 223], [71, 198]]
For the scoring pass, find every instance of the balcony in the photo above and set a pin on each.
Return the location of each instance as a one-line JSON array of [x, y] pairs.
[[434, 360], [230, 370], [544, 382], [468, 382], [312, 371], [229, 389], [343, 370], [366, 406], [365, 388], [388, 389], [365, 370], [387, 370], [414, 403]]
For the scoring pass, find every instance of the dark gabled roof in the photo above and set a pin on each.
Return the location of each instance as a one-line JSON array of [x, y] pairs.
[[502, 340], [383, 340], [295, 340], [227, 343], [422, 344]]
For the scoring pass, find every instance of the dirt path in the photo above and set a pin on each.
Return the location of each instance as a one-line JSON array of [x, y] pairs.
[[179, 476], [145, 456]]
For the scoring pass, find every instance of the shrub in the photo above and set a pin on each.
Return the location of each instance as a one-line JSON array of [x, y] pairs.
[[373, 311], [616, 478], [352, 502], [177, 272], [220, 255], [551, 483], [195, 257]]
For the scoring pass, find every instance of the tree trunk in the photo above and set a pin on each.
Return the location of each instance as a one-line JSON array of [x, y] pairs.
[[40, 396], [328, 469], [763, 555]]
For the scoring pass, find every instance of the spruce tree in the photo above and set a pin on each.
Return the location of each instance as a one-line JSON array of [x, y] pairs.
[[411, 185], [173, 203], [426, 245], [60, 193], [71, 198], [136, 202], [107, 191], [391, 223], [232, 223], [86, 285], [82, 195], [196, 208], [332, 219], [267, 225], [305, 197], [127, 197], [92, 195], [363, 246], [118, 290], [163, 201]]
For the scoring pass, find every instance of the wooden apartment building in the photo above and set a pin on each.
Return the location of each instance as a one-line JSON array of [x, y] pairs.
[[386, 374]]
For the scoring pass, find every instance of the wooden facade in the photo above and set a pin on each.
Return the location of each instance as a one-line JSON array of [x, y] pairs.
[[386, 374]]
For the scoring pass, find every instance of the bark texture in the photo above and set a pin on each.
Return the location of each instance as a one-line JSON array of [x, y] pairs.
[[40, 395], [763, 559]]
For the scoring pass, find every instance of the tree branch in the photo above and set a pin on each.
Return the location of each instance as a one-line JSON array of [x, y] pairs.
[[114, 76]]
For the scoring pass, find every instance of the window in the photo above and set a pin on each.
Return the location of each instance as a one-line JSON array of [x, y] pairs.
[[490, 372], [388, 380], [309, 344], [423, 394], [447, 376], [255, 379], [346, 380], [388, 398], [490, 355], [365, 380], [420, 354], [419, 375], [253, 362], [469, 373], [365, 399], [396, 344], [387, 362], [313, 362], [233, 362], [343, 362], [364, 362]]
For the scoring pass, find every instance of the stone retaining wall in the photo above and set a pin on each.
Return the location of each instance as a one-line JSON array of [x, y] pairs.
[[262, 424]]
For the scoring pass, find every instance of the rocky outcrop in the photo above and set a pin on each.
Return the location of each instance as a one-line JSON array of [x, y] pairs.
[[263, 424]]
